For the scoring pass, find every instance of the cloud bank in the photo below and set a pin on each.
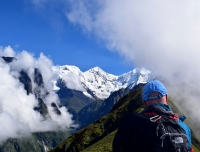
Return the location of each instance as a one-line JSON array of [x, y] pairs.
[[17, 117], [162, 36]]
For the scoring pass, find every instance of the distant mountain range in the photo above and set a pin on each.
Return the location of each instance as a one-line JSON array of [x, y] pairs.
[[96, 99], [96, 83], [91, 94], [87, 95]]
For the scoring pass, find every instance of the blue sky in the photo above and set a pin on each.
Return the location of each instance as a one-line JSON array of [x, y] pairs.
[[161, 36], [26, 26], [116, 35]]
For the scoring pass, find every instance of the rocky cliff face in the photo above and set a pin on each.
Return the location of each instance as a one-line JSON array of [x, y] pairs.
[[37, 141]]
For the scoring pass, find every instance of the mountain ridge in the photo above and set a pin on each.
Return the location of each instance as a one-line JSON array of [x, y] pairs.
[[96, 83], [98, 136]]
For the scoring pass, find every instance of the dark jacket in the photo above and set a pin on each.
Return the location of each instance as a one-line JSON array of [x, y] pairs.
[[134, 128]]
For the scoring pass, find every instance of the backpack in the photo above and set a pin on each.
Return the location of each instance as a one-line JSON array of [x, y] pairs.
[[150, 132]]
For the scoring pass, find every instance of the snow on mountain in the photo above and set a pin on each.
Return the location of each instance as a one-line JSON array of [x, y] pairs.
[[134, 77], [61, 71], [96, 82]]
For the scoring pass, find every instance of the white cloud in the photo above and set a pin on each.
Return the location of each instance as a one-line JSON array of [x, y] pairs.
[[162, 36], [7, 51], [44, 65], [17, 117], [73, 81], [24, 61], [80, 11]]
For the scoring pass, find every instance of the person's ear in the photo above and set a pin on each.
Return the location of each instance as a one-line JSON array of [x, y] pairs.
[[166, 98]]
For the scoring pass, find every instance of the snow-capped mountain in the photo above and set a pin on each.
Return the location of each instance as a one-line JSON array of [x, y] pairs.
[[97, 83]]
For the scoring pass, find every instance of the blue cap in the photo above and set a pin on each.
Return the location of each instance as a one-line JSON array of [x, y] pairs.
[[151, 87]]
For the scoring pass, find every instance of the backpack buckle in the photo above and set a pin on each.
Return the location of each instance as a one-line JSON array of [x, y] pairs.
[[155, 118]]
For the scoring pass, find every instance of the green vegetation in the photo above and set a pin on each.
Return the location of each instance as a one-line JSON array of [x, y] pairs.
[[99, 135], [89, 113], [38, 142], [97, 109], [72, 99], [103, 126], [104, 145]]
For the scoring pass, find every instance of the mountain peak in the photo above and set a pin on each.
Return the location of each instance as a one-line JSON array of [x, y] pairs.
[[96, 70], [61, 71], [101, 84]]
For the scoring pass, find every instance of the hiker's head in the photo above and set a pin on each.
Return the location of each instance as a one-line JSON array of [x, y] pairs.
[[154, 92]]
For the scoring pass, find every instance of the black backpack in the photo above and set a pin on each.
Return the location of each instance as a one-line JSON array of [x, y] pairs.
[[150, 133]]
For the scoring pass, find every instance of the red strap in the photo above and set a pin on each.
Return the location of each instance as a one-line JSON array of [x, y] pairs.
[[175, 116]]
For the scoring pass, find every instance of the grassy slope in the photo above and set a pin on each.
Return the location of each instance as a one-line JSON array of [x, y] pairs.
[[102, 127], [98, 136], [104, 145]]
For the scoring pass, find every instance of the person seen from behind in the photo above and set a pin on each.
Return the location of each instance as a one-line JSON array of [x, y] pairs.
[[155, 133]]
